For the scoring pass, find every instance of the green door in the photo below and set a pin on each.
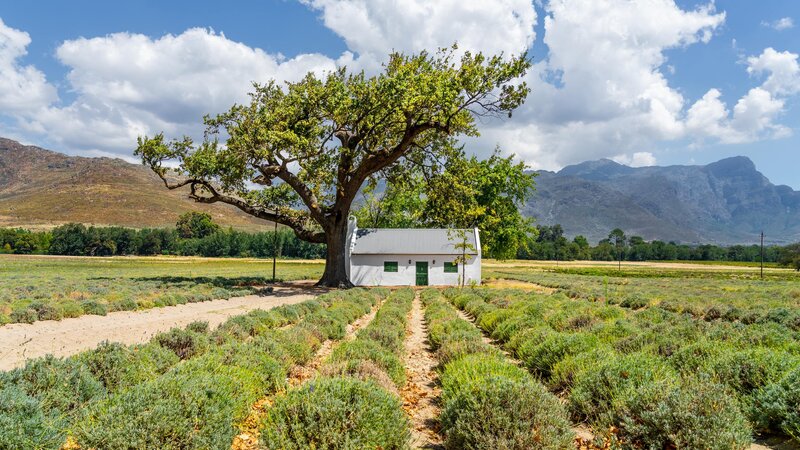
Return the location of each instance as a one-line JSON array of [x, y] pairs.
[[422, 273]]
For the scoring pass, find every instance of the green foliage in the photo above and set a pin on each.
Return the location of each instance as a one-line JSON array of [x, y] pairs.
[[790, 256], [690, 414], [184, 343], [336, 413], [353, 353], [176, 411], [195, 224], [93, 307], [23, 424], [60, 385], [117, 366], [488, 403]]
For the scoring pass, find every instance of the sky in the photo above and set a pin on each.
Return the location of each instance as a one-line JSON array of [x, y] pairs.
[[642, 82]]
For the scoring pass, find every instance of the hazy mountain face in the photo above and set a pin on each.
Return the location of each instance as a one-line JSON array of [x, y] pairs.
[[41, 188], [725, 202]]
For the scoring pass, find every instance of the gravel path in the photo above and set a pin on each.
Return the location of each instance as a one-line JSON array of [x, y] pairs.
[[19, 342], [421, 392]]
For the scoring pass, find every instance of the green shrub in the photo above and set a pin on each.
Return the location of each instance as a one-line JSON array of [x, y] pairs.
[[24, 315], [70, 309], [596, 392], [352, 352], [453, 349], [125, 304], [185, 344], [489, 403], [118, 366], [543, 357], [336, 413], [23, 424], [195, 410], [776, 406], [633, 301], [93, 307], [61, 385], [385, 336], [198, 327], [45, 311], [691, 414]]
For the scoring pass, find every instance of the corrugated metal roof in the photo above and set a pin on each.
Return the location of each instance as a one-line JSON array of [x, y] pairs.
[[410, 241]]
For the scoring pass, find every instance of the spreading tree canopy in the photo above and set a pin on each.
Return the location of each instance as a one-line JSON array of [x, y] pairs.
[[463, 193], [298, 154]]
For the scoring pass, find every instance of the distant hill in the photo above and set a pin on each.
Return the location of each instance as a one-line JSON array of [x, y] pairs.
[[725, 202], [41, 188]]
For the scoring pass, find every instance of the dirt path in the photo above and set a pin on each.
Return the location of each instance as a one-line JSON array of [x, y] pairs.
[[247, 439], [421, 392], [19, 342]]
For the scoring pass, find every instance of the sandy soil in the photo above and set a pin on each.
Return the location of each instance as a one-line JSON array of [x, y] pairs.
[[421, 392], [19, 342]]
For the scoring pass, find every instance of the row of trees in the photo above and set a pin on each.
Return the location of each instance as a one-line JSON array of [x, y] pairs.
[[549, 243], [195, 235]]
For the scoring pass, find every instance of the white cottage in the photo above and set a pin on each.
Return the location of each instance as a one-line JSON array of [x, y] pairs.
[[409, 256]]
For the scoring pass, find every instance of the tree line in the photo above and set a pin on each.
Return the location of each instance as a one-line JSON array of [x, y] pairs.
[[195, 234], [549, 243]]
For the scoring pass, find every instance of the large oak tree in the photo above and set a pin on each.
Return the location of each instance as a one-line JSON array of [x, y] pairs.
[[298, 154]]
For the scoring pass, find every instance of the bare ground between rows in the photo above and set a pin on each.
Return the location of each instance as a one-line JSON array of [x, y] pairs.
[[247, 439], [20, 342], [421, 394]]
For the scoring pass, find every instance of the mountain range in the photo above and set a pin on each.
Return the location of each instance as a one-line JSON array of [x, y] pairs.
[[725, 202], [40, 189]]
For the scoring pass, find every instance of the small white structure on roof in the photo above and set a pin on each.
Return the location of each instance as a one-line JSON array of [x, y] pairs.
[[410, 256]]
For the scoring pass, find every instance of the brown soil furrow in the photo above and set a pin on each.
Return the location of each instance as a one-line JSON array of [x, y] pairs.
[[421, 394], [488, 339], [247, 439]]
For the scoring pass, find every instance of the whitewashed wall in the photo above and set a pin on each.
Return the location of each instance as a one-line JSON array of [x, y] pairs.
[[367, 270]]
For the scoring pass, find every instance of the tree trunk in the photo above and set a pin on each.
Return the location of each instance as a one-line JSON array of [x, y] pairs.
[[335, 274]]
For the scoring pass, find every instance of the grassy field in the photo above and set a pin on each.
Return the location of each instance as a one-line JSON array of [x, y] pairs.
[[731, 294], [48, 287]]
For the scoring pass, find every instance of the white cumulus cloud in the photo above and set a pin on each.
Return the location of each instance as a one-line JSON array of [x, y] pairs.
[[127, 85], [22, 88], [372, 28], [756, 113], [600, 90]]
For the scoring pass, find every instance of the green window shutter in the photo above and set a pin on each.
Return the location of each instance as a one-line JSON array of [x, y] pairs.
[[390, 266], [450, 267]]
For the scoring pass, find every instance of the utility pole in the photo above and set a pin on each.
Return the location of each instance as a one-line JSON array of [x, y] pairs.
[[762, 255], [274, 251]]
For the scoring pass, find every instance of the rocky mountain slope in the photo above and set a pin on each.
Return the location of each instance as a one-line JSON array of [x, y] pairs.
[[725, 202], [40, 188]]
